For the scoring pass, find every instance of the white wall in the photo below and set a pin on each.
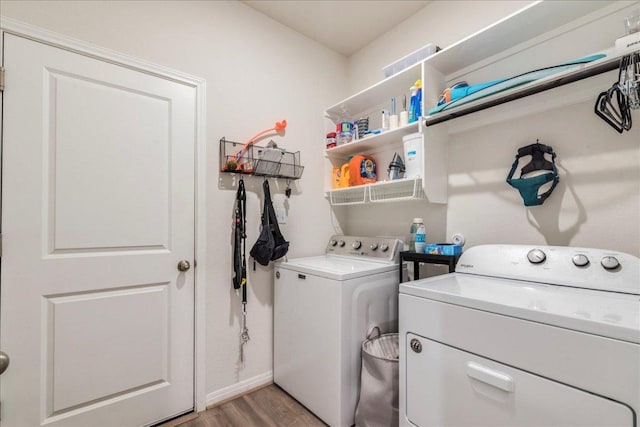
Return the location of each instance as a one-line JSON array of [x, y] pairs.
[[596, 204], [258, 72]]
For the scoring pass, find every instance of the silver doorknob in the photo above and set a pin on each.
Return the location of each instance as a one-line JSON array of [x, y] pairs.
[[184, 265], [4, 361]]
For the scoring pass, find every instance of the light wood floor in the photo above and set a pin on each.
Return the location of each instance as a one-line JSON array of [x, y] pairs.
[[269, 406]]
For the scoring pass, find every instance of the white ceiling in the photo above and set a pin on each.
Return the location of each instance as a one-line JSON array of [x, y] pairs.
[[344, 26]]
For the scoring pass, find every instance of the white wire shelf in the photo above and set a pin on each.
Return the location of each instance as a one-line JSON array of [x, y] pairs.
[[348, 196], [397, 190], [380, 192]]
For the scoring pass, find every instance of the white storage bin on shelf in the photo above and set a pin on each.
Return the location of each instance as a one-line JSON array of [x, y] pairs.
[[410, 59]]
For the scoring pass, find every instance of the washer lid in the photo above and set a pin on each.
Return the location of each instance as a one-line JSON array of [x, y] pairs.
[[337, 267], [608, 314]]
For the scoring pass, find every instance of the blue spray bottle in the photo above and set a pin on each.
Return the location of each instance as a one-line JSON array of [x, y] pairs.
[[412, 103], [415, 106], [418, 108]]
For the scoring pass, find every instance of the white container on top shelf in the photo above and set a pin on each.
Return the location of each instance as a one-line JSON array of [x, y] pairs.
[[409, 60], [541, 31]]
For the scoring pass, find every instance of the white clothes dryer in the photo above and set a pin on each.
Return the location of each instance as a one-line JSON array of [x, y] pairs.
[[323, 307], [522, 336]]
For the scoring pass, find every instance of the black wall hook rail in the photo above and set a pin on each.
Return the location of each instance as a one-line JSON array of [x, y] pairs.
[[581, 74]]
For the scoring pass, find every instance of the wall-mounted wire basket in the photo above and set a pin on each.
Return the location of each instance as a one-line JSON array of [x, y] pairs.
[[259, 160]]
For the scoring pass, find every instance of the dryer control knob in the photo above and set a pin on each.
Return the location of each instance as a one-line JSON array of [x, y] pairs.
[[356, 245], [536, 256], [384, 247], [580, 260], [341, 243], [610, 262], [333, 242], [373, 246]]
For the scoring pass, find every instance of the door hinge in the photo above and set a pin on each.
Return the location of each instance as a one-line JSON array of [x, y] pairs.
[[1, 79]]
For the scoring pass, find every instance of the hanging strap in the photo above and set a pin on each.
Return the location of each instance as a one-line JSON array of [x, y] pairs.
[[240, 236], [240, 261], [269, 214], [266, 220]]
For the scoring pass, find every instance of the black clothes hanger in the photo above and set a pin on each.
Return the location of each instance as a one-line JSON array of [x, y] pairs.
[[613, 106]]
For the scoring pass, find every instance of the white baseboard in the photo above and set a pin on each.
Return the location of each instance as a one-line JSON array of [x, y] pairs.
[[239, 388]]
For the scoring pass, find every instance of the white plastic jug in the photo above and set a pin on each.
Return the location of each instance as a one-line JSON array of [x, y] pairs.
[[413, 155]]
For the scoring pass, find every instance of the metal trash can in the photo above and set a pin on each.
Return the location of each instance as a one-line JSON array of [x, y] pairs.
[[378, 403]]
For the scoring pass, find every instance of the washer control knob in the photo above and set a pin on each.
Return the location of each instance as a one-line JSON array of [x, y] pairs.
[[580, 260], [415, 345], [374, 246], [536, 256], [341, 243], [356, 245], [333, 242], [384, 247], [610, 262]]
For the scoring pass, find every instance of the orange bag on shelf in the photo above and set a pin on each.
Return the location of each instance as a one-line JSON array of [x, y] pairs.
[[362, 170]]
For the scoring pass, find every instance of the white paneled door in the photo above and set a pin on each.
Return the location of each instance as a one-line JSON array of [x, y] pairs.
[[97, 212]]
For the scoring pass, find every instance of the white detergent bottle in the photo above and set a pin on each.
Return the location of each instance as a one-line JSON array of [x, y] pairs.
[[421, 237], [413, 155]]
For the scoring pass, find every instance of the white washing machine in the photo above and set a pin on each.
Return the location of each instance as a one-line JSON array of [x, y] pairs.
[[522, 336], [323, 307]]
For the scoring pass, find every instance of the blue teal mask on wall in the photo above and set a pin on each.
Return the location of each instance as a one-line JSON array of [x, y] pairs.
[[529, 188]]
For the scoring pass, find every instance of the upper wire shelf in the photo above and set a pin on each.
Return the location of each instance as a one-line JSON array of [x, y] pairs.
[[258, 160]]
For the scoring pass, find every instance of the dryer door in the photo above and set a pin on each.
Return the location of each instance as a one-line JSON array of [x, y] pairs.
[[450, 387]]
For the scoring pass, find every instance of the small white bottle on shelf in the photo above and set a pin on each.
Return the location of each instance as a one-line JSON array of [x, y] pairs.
[[385, 121]]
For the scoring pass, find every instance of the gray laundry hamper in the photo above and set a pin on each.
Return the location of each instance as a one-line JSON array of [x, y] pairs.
[[378, 403]]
